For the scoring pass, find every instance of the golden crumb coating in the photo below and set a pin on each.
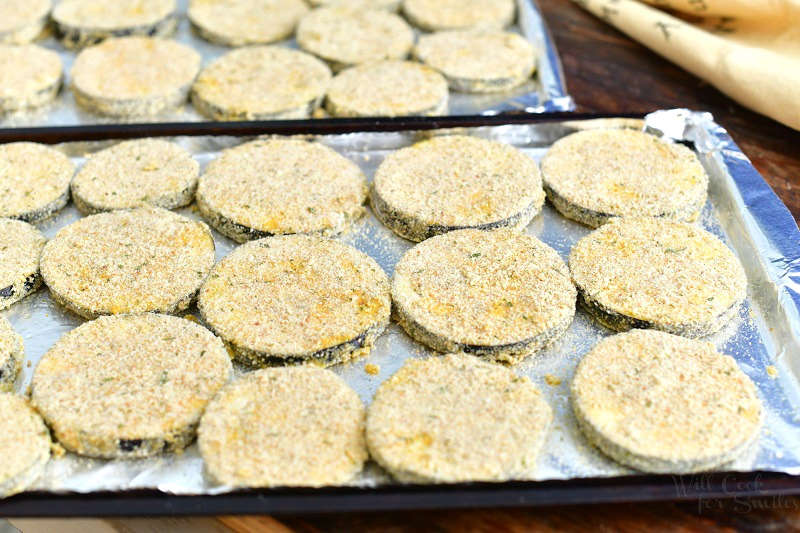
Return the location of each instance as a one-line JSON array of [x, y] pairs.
[[145, 259], [24, 445], [150, 76], [501, 295], [135, 173], [298, 426], [245, 22], [594, 175], [663, 403], [129, 385], [655, 273], [454, 419], [296, 298], [281, 186], [453, 182], [433, 15], [34, 180], [478, 61], [344, 36], [388, 88], [260, 83]]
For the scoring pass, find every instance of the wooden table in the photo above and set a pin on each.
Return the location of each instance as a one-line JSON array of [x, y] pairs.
[[609, 73]]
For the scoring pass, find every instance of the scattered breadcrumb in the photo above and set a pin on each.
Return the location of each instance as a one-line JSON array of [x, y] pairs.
[[552, 380]]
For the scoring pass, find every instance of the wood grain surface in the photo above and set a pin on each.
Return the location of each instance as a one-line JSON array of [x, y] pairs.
[[609, 73]]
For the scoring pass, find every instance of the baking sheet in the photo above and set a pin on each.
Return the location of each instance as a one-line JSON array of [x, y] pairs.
[[742, 210], [545, 92]]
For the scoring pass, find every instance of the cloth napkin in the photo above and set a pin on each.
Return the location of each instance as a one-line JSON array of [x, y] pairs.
[[748, 49]]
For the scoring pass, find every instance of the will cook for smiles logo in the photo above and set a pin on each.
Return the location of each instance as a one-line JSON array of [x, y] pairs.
[[731, 492]]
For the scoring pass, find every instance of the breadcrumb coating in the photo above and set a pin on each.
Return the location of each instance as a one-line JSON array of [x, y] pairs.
[[260, 83], [663, 403], [387, 88], [433, 15], [30, 76], [145, 259], [150, 76], [594, 175], [478, 60], [344, 36], [454, 419], [453, 182], [299, 426], [244, 22], [501, 295], [655, 273], [136, 173], [129, 385], [296, 298], [34, 180], [281, 186], [24, 445]]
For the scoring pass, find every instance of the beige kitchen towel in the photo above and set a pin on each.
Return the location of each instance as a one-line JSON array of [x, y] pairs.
[[748, 49]]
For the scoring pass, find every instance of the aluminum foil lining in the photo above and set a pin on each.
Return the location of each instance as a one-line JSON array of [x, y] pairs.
[[545, 92], [742, 210]]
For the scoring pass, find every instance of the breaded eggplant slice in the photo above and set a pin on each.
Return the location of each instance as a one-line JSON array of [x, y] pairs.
[[261, 83], [390, 88], [455, 182], [245, 22], [345, 36], [295, 299], [434, 15], [21, 246], [145, 259], [655, 273], [595, 175], [389, 5], [665, 404], [30, 77], [21, 21], [281, 186], [455, 419], [136, 173], [34, 179], [478, 61], [129, 386], [498, 295], [150, 76], [12, 352], [82, 23], [24, 445], [299, 426]]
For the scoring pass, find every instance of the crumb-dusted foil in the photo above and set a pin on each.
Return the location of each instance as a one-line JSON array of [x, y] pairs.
[[544, 92], [742, 209]]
